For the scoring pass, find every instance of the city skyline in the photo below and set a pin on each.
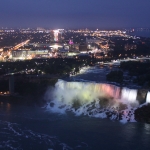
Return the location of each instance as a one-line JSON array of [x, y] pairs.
[[75, 14]]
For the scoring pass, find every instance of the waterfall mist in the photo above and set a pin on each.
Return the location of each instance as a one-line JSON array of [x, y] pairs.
[[93, 99]]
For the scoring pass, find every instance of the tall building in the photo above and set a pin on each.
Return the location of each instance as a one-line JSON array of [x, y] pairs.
[[56, 32], [58, 35], [83, 47]]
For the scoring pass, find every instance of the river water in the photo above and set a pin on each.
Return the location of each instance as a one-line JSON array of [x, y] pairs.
[[35, 128], [29, 128]]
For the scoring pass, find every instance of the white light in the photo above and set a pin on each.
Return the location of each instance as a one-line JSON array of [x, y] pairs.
[[129, 95], [148, 97]]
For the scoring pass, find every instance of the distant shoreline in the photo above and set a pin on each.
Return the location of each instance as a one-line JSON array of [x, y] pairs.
[[140, 34]]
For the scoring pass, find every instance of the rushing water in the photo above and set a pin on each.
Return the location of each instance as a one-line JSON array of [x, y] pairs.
[[95, 100], [77, 127], [34, 128]]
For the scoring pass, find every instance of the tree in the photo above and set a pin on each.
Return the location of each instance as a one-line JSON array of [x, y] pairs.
[[115, 76]]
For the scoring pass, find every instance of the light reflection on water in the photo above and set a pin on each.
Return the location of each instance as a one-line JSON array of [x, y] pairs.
[[8, 107], [147, 128]]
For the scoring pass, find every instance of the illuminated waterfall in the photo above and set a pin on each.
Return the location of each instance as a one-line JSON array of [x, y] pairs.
[[96, 89], [94, 99], [148, 97], [89, 91], [129, 95]]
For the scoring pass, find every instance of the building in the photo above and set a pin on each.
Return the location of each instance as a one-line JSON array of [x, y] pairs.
[[56, 32], [66, 53], [29, 54], [40, 29], [130, 47], [58, 35], [93, 40], [83, 48], [56, 46]]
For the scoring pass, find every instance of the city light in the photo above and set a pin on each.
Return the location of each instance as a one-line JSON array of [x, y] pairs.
[[56, 35]]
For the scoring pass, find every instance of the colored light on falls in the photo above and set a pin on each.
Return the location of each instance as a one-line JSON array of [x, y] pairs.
[[89, 91], [95, 100]]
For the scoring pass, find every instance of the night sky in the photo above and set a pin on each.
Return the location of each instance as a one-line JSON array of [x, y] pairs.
[[75, 13]]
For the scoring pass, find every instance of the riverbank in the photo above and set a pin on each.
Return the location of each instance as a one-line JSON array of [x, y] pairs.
[[29, 91], [142, 114]]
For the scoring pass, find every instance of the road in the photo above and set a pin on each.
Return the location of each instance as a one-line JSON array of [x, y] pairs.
[[20, 45], [7, 54]]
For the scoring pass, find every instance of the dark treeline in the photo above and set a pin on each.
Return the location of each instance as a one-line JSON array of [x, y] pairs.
[[142, 114], [138, 72], [136, 67], [47, 66], [115, 76], [30, 81]]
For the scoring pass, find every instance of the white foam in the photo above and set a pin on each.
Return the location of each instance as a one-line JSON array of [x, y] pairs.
[[85, 97]]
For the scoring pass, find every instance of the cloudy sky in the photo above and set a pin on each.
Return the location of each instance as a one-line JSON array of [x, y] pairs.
[[75, 13]]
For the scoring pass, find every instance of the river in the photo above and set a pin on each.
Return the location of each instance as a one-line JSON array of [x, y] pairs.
[[28, 128], [36, 128]]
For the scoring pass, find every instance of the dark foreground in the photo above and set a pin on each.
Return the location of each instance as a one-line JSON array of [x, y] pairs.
[[27, 127]]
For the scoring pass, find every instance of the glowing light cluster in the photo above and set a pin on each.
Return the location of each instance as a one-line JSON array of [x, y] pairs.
[[86, 91], [56, 32], [129, 95]]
